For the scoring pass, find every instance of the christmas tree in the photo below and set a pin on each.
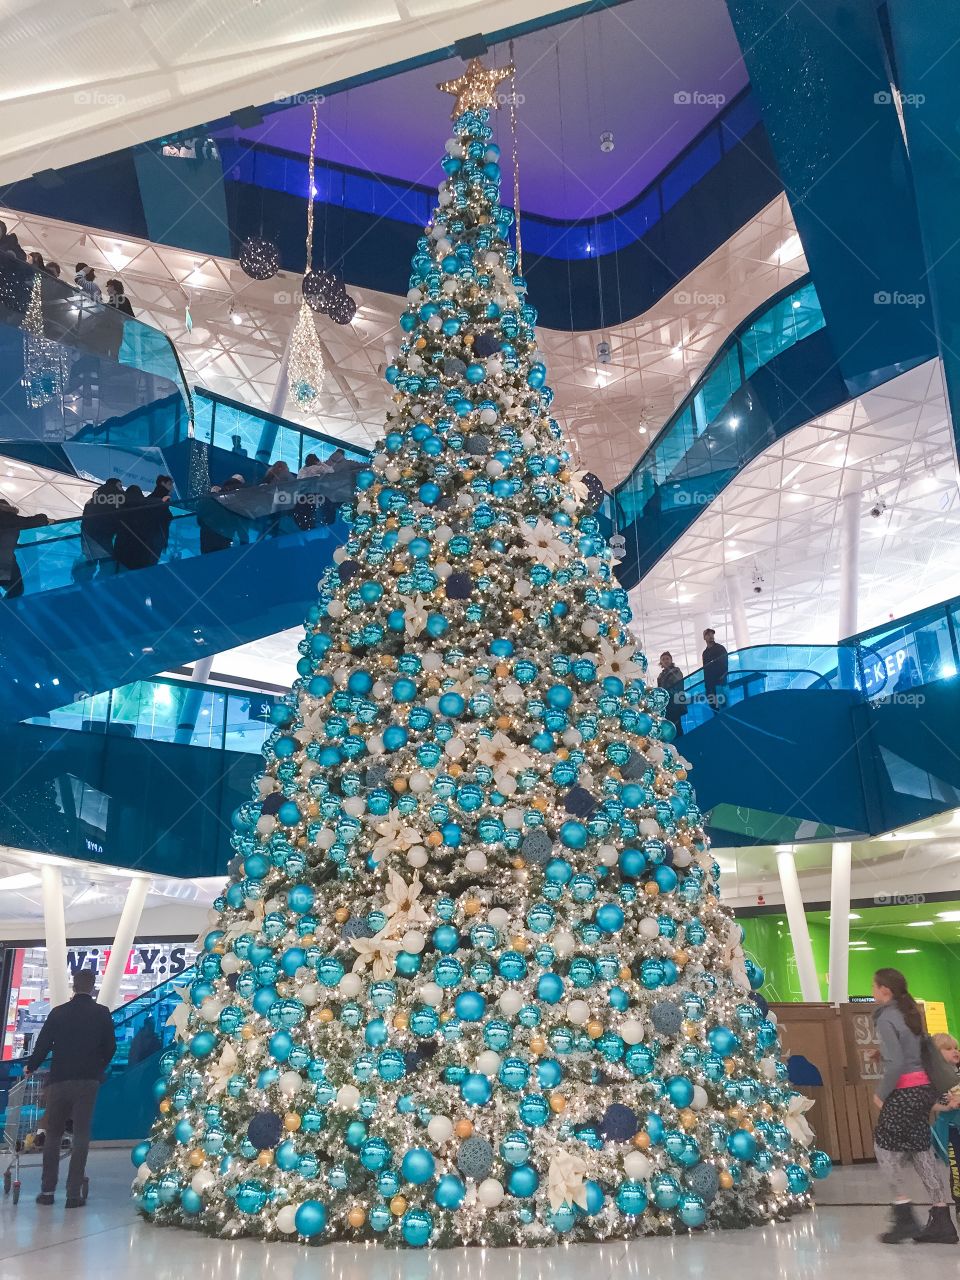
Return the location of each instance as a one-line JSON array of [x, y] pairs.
[[470, 981]]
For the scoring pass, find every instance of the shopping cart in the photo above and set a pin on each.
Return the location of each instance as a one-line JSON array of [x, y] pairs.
[[22, 1138]]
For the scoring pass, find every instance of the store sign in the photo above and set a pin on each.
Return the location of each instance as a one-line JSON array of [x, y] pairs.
[[156, 960], [879, 668]]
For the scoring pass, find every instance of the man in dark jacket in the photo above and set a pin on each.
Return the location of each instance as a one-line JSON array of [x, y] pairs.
[[80, 1034], [714, 668], [11, 522], [671, 679]]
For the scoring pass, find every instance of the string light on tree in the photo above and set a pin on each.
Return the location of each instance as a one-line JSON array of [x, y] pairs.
[[470, 981]]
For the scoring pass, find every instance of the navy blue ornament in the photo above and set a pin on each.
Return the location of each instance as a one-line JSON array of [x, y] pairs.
[[619, 1123], [475, 1158], [459, 586], [265, 1130], [579, 802], [667, 1018]]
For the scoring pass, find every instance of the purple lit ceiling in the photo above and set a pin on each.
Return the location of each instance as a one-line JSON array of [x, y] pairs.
[[654, 74]]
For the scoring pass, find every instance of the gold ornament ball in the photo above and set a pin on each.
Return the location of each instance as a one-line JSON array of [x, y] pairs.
[[165, 1105], [726, 1180], [434, 839], [291, 1122], [399, 785], [247, 1033], [503, 722], [265, 1159], [594, 1029], [308, 939], [325, 1015], [687, 1118], [625, 973], [398, 1206], [680, 958], [463, 1128], [401, 1021], [558, 1103], [196, 1159], [641, 1140], [342, 915], [356, 1217], [472, 906], [651, 888], [538, 1045], [519, 943]]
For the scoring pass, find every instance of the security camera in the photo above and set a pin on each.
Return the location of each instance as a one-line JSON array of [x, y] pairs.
[[603, 353], [757, 582], [878, 508], [757, 589]]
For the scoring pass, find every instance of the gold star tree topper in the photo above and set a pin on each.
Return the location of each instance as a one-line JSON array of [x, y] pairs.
[[477, 87]]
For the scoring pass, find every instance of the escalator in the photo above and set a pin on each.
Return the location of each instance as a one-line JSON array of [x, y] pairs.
[[831, 742], [71, 635]]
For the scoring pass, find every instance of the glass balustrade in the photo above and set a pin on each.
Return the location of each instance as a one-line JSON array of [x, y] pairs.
[[705, 441]]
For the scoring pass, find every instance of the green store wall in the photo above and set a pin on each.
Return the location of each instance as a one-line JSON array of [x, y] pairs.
[[930, 972]]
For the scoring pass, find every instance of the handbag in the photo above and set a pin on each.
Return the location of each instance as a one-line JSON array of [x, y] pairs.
[[943, 1077]]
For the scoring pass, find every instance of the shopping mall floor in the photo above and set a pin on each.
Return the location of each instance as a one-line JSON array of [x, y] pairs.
[[105, 1240]]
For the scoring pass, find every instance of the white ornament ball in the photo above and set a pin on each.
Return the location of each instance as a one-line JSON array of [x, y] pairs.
[[494, 467], [607, 855], [648, 928], [488, 1063], [350, 985], [498, 917], [578, 1011], [490, 1193], [309, 993], [290, 1083], [432, 662], [144, 1173], [440, 1129], [419, 783], [513, 819], [418, 856], [700, 1098], [637, 1165], [564, 942], [348, 1096], [487, 416], [413, 941], [210, 1009], [631, 1030], [455, 748], [778, 1181], [511, 1002], [682, 857], [202, 1180], [431, 994], [475, 861], [286, 1219], [522, 588], [230, 963], [335, 609], [355, 806], [589, 628]]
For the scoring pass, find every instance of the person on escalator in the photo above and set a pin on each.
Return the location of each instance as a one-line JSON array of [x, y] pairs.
[[159, 515], [11, 522], [144, 1044], [131, 548], [81, 1037], [98, 527], [715, 666], [671, 679]]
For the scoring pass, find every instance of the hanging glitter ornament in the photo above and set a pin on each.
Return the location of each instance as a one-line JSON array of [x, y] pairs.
[[320, 289], [305, 369], [259, 258], [342, 309]]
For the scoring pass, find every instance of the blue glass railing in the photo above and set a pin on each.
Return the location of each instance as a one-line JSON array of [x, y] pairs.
[[170, 710], [883, 664], [271, 169], [69, 364], [228, 424], [702, 437]]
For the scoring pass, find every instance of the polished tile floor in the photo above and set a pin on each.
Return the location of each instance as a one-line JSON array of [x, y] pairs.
[[105, 1241]]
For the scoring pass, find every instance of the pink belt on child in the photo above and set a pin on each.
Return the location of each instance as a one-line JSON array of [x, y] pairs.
[[912, 1079]]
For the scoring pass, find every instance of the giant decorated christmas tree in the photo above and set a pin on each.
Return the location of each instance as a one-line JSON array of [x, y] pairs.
[[470, 981]]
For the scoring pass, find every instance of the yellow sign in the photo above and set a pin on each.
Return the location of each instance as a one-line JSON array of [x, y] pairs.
[[935, 1012]]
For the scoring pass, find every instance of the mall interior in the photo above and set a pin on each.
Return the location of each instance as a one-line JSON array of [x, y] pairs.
[[438, 926]]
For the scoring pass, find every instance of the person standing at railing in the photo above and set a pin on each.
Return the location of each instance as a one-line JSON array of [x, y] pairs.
[[11, 522], [98, 527], [158, 516], [715, 667], [81, 1037], [671, 679]]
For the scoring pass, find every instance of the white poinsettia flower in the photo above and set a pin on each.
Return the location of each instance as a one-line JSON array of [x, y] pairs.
[[394, 834], [566, 1180], [378, 951], [415, 615], [402, 905], [252, 924], [577, 485], [180, 1018], [618, 661], [502, 755], [543, 544], [224, 1067], [796, 1120]]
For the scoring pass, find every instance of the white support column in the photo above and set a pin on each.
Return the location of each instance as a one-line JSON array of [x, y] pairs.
[[797, 919], [849, 564], [55, 930], [126, 932], [738, 613], [840, 922]]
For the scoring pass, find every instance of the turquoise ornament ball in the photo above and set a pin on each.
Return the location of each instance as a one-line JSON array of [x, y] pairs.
[[311, 1218], [416, 1226]]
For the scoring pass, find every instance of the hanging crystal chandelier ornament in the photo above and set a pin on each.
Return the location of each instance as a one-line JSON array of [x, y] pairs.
[[43, 360], [306, 368]]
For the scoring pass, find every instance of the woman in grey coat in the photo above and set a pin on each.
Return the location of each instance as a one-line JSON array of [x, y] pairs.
[[905, 1097]]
